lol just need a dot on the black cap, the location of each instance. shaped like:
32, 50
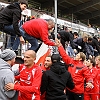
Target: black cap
55, 58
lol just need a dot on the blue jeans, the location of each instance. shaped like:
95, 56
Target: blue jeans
33, 41
8, 29
70, 51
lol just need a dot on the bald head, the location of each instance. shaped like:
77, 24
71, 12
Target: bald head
29, 58
30, 53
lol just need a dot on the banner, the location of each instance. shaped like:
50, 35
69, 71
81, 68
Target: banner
42, 53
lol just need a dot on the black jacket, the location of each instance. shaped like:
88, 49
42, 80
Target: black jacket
84, 46
66, 36
95, 45
11, 15
55, 80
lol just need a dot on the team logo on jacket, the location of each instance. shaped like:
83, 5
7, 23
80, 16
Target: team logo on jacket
77, 69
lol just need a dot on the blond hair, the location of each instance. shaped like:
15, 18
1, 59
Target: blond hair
83, 56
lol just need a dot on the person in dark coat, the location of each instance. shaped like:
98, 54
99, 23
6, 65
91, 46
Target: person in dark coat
10, 17
66, 37
95, 44
82, 45
55, 80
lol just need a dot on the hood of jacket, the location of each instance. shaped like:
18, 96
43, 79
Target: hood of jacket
4, 65
58, 68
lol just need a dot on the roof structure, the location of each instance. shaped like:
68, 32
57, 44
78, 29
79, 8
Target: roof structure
86, 11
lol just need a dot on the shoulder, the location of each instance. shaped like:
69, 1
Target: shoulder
37, 68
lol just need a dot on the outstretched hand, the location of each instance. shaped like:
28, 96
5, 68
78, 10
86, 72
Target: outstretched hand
57, 42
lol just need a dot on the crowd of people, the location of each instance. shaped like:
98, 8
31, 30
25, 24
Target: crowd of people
72, 73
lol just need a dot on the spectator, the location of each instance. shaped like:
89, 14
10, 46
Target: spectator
98, 40
7, 59
92, 93
55, 80
35, 30
10, 17
82, 46
66, 36
29, 79
95, 45
78, 72
75, 34
16, 43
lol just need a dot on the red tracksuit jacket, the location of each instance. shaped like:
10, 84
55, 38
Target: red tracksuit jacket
94, 73
30, 81
78, 71
98, 77
94, 92
38, 28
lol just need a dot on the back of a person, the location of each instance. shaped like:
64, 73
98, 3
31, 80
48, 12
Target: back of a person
58, 80
2, 77
64, 35
5, 74
36, 27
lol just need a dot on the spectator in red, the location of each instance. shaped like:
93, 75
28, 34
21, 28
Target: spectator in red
78, 71
29, 79
37, 29
92, 93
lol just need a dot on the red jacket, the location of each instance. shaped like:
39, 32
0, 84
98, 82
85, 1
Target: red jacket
78, 71
94, 73
30, 81
98, 77
38, 28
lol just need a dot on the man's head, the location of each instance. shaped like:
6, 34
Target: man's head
75, 35
48, 62
29, 58
85, 38
97, 60
90, 40
23, 4
55, 58
80, 56
51, 24
98, 38
90, 63
8, 56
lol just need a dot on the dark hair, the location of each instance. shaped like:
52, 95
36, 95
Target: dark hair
75, 33
55, 58
92, 61
89, 39
23, 2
